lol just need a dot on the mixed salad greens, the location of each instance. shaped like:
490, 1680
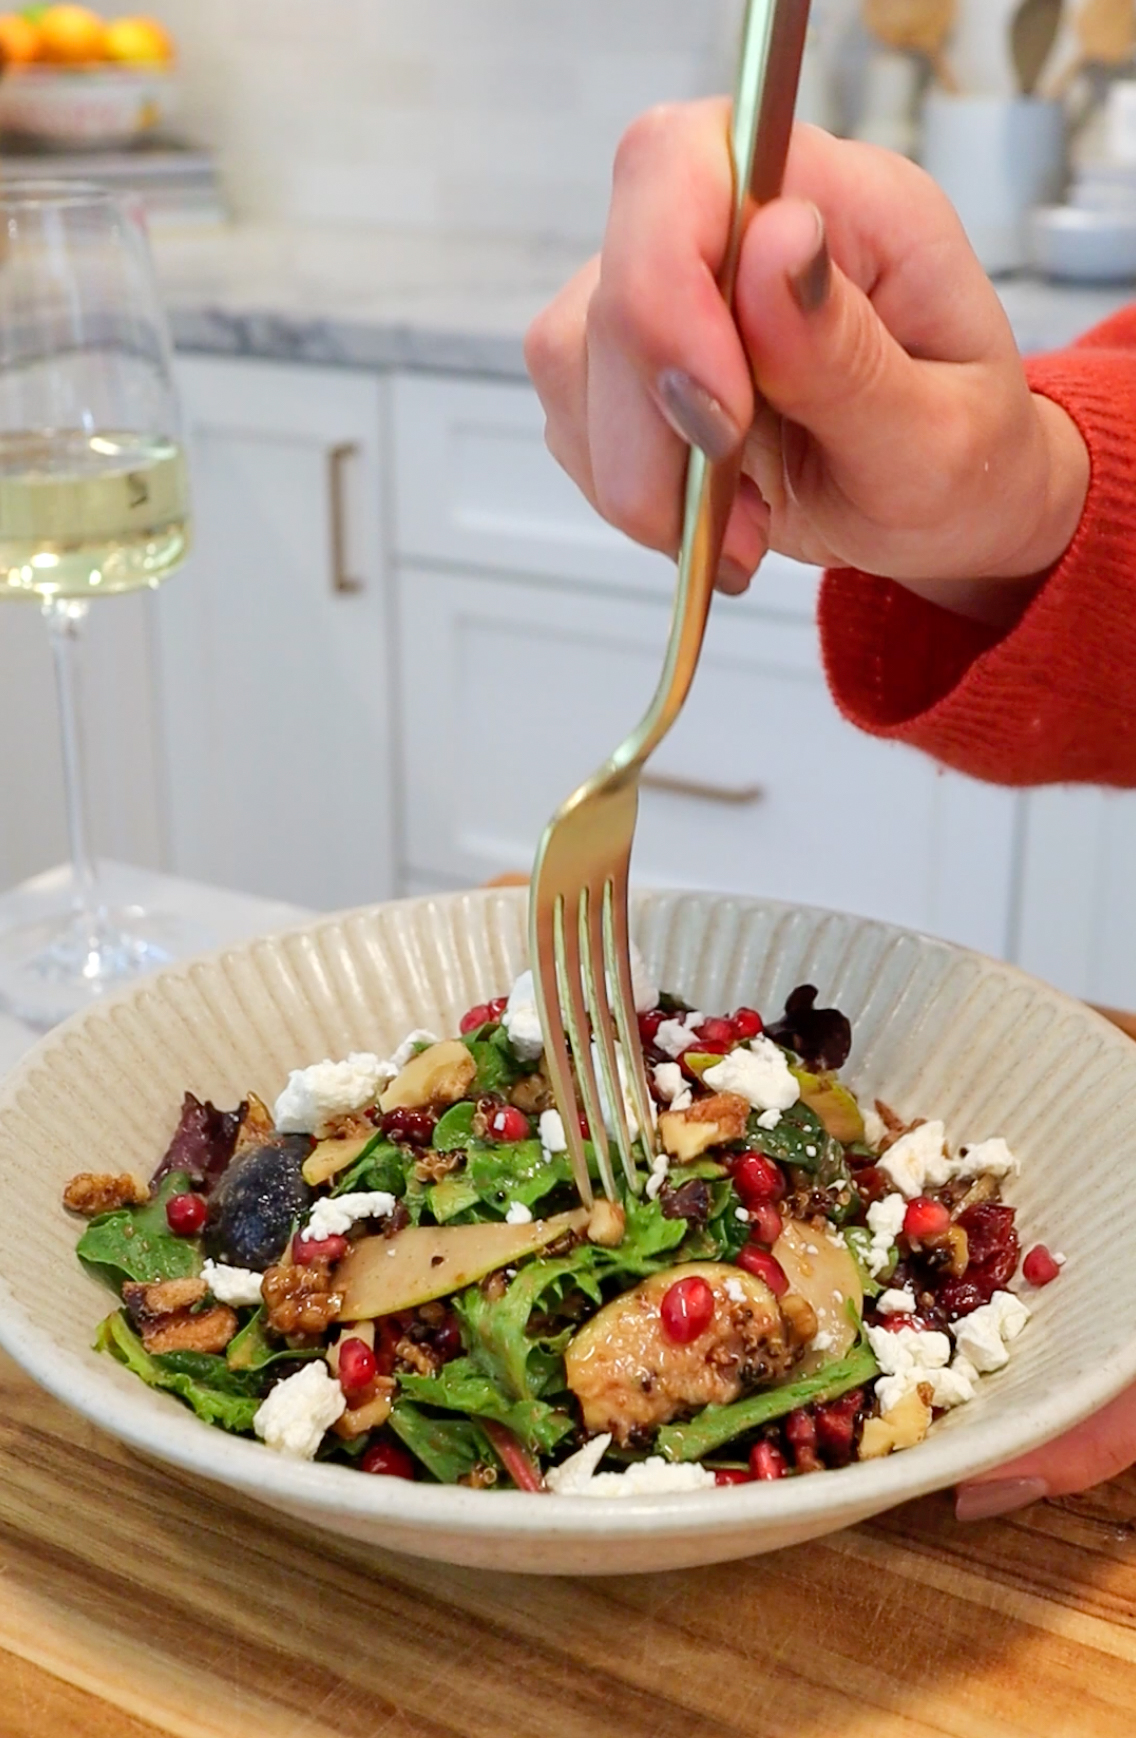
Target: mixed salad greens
391, 1268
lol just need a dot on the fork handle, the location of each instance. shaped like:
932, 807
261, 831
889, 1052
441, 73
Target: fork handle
773, 44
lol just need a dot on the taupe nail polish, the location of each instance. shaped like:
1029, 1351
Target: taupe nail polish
999, 1497
697, 416
811, 286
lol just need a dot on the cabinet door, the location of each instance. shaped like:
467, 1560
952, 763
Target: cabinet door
1077, 924
275, 686
515, 692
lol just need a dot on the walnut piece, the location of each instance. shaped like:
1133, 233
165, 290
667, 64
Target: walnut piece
708, 1122
95, 1192
801, 1317
607, 1224
533, 1094
370, 1413
903, 1427
431, 1167
163, 1297
166, 1316
300, 1300
423, 1360
256, 1126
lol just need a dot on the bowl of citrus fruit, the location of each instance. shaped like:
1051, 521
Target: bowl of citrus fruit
72, 79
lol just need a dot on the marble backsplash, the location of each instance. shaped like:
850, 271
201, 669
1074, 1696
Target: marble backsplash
485, 115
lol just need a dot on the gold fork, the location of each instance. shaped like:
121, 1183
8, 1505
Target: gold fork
578, 918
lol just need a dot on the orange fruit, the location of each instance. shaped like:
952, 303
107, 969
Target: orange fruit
72, 35
19, 40
138, 42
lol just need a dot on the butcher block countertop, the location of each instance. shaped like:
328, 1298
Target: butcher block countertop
136, 1602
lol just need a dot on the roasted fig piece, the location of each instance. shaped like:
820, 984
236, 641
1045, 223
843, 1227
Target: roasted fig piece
253, 1209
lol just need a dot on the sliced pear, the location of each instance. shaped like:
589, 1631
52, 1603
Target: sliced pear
832, 1103
380, 1275
330, 1157
440, 1075
821, 1270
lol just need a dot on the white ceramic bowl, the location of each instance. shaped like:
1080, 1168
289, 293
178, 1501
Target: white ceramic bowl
90, 108
938, 1031
1085, 244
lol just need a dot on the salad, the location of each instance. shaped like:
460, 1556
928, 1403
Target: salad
390, 1269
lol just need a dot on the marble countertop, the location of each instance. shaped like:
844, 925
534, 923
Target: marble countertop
459, 304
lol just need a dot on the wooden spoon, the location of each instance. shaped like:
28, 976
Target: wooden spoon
917, 26
1033, 33
1106, 34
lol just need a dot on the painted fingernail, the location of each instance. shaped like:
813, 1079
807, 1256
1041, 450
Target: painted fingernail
810, 286
696, 415
1000, 1497
732, 577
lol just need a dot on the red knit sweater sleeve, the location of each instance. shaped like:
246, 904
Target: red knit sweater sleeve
1054, 699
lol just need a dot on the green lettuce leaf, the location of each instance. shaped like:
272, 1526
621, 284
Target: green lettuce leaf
461, 1386
496, 1329
253, 1349
215, 1393
449, 1448
516, 1171
381, 1165
716, 1425
137, 1243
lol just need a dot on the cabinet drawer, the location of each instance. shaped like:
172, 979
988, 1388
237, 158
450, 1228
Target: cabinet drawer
514, 693
476, 488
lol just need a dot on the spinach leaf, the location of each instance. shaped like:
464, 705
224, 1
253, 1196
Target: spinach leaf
724, 1234
454, 1130
716, 1425
516, 1171
453, 1196
497, 1067
449, 1448
461, 1386
194, 1377
137, 1243
799, 1139
379, 1166
859, 1241
252, 1349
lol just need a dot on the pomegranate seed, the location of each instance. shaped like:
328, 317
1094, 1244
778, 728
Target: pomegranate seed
388, 1333
186, 1214
747, 1023
764, 1266
715, 1031
476, 1017
926, 1220
687, 1310
389, 1459
331, 1248
765, 1224
509, 1124
766, 1461
1039, 1268
415, 1128
758, 1179
357, 1366
585, 1130
497, 1008
649, 1026
728, 1475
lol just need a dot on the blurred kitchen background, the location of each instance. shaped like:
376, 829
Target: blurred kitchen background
402, 638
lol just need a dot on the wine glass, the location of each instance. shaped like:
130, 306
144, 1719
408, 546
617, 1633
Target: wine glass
93, 503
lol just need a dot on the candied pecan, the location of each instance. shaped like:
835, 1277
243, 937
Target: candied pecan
300, 1300
895, 1125
256, 1124
164, 1297
494, 1286
350, 1127
206, 1331
95, 1192
533, 1094
431, 1167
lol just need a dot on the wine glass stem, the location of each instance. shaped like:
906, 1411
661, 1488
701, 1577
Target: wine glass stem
65, 618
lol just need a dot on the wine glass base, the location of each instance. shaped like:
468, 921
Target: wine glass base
51, 967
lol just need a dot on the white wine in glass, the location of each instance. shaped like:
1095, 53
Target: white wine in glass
94, 502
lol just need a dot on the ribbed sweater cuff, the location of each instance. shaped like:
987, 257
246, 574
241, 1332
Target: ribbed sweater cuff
1054, 699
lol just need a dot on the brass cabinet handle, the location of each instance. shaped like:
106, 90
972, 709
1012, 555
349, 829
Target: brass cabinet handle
733, 796
337, 461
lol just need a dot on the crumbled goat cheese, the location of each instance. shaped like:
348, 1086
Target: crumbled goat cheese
314, 1096
300, 1410
875, 1128
822, 1342
676, 1036
885, 1222
916, 1162
521, 1020
518, 1214
577, 1476
673, 1086
334, 1215
552, 1136
741, 1214
910, 1359
993, 1157
409, 1047
896, 1303
769, 1119
759, 1072
236, 1286
984, 1335
735, 1290
660, 1171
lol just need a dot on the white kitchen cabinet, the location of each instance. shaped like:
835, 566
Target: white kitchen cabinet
1077, 919
513, 691
275, 683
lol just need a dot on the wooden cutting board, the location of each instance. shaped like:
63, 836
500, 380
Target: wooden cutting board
135, 1602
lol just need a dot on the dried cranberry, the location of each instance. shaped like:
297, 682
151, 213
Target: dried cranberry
926, 1220
414, 1128
687, 1309
765, 1224
388, 1333
747, 1023
186, 1214
306, 1254
873, 1184
836, 1427
715, 1031
389, 1459
801, 1435
960, 1297
989, 1229
729, 1475
758, 1179
1039, 1267
764, 1266
357, 1366
509, 1124
766, 1461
